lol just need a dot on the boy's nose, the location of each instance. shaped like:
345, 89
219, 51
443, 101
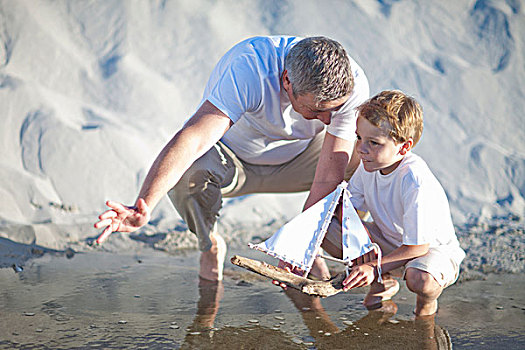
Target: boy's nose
359, 147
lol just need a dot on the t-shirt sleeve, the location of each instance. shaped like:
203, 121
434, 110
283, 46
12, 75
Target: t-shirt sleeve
236, 89
357, 190
418, 218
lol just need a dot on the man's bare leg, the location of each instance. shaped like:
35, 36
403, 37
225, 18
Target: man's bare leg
320, 270
212, 261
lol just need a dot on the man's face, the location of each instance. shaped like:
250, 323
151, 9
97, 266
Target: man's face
309, 109
306, 105
377, 150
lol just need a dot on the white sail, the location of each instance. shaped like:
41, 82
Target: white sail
355, 239
298, 242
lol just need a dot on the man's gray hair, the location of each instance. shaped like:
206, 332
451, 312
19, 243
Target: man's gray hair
319, 66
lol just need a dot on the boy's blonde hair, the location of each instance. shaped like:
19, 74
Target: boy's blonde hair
397, 114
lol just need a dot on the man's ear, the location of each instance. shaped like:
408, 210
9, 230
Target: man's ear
407, 146
287, 84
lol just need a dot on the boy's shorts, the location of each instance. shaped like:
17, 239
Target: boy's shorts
441, 262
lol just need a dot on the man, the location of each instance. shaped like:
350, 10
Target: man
260, 128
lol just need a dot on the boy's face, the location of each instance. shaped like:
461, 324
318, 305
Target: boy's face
377, 150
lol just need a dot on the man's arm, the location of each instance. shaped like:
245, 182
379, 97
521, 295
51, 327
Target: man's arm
330, 171
333, 161
198, 135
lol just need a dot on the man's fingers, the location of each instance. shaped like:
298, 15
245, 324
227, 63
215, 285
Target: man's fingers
279, 284
119, 208
103, 223
105, 234
108, 214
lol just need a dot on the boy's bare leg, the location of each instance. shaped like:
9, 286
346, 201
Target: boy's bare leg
380, 292
427, 289
212, 261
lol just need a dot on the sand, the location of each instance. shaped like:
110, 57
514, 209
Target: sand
149, 299
141, 290
91, 91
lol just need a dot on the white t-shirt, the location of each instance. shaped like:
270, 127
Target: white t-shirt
408, 205
246, 86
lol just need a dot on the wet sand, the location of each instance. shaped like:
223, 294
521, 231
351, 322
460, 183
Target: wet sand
152, 300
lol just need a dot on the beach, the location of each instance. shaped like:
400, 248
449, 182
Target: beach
139, 291
151, 299
91, 91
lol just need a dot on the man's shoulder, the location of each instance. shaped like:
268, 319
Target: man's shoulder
274, 42
259, 56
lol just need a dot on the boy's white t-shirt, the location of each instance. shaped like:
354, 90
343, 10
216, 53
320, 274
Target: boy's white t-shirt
408, 205
246, 86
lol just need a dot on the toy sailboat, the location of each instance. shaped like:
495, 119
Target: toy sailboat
298, 242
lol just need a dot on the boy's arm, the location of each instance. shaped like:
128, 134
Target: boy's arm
363, 275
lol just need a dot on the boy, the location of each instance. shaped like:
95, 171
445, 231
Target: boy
412, 222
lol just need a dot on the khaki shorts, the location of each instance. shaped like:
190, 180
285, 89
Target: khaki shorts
441, 262
220, 173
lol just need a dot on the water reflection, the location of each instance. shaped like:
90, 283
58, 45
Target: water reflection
106, 301
377, 330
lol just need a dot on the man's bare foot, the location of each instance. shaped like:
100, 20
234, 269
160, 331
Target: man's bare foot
212, 261
425, 309
381, 292
320, 270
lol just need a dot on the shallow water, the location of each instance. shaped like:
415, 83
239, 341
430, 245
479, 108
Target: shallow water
151, 300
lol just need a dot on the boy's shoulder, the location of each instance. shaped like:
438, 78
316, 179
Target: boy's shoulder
415, 168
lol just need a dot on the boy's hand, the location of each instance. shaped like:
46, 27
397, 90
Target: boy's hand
359, 276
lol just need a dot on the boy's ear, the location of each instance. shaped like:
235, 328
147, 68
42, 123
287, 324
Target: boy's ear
407, 146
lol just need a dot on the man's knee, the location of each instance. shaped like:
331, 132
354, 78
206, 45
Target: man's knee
198, 184
420, 282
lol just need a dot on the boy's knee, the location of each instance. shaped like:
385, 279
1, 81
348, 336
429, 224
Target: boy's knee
420, 282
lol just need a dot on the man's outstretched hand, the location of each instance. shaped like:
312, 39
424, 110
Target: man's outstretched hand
122, 218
